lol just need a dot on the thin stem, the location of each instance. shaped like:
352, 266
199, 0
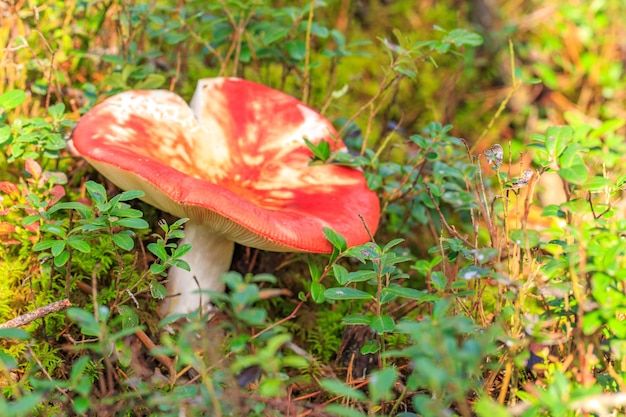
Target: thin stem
449, 228
516, 84
369, 103
307, 56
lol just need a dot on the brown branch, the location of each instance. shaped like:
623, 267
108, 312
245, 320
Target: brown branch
41, 312
149, 344
449, 228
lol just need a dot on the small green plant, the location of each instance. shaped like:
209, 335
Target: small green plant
35, 137
93, 223
168, 254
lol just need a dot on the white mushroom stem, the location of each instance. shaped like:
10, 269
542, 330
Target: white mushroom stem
209, 258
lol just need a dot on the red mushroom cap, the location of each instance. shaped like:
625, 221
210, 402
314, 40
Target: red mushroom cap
239, 164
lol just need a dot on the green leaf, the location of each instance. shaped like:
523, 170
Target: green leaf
461, 285
181, 250
367, 251
270, 387
78, 369
321, 151
605, 292
407, 72
461, 37
157, 290
174, 38
392, 243
361, 276
317, 29
131, 195
598, 184
422, 266
382, 324
96, 191
575, 174
81, 405
315, 270
275, 33
381, 384
85, 320
557, 139
26, 405
374, 181
525, 239
5, 134
294, 361
132, 222
370, 347
57, 247
14, 333
254, 316
179, 263
439, 281
158, 250
571, 155
151, 82
317, 292
12, 99
553, 210
126, 212
79, 244
397, 291
54, 229
610, 126
343, 411
83, 209
43, 245
296, 49
346, 294
128, 317
335, 239
157, 269
8, 363
123, 241
338, 37
341, 274
484, 255
56, 111
342, 390
473, 271
115, 80
486, 407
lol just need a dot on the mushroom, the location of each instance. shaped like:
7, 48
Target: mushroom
236, 164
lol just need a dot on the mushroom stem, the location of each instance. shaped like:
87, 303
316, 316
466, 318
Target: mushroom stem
209, 258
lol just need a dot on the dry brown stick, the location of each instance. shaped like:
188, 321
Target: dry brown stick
149, 344
450, 229
37, 314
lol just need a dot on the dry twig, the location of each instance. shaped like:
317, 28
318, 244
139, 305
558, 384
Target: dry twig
24, 319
